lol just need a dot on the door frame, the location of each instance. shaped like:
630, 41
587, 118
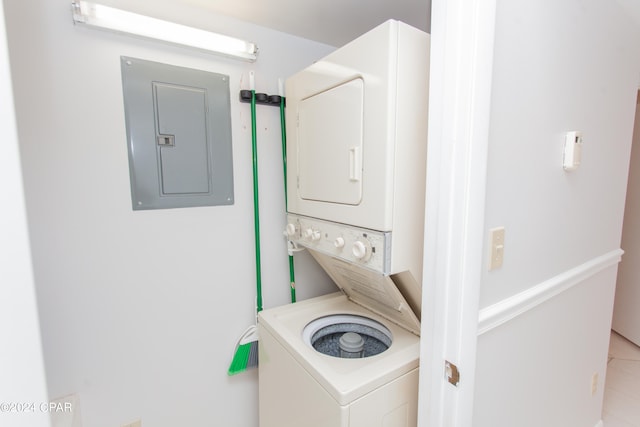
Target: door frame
462, 43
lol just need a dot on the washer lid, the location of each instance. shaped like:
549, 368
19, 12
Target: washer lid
372, 290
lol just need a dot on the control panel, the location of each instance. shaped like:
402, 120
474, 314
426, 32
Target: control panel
368, 248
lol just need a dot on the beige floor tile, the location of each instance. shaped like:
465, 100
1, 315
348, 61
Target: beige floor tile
611, 420
622, 394
621, 348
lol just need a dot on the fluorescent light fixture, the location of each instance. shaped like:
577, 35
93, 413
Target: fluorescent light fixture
109, 18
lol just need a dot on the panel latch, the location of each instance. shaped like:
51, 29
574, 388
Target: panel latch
167, 140
452, 373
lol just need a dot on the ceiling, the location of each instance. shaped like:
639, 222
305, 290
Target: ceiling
332, 22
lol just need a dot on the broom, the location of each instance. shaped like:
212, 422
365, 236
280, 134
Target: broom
246, 353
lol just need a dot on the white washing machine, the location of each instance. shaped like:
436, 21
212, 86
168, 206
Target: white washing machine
356, 153
299, 386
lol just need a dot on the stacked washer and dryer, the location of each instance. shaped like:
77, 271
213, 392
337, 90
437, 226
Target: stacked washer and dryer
357, 143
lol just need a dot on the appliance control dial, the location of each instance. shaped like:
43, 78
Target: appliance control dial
291, 230
361, 250
311, 234
339, 242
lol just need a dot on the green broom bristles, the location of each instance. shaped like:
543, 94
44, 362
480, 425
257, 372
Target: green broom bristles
246, 355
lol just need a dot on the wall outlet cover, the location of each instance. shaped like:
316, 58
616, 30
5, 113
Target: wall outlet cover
65, 411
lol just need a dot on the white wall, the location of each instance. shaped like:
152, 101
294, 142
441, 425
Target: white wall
537, 369
140, 311
22, 377
558, 66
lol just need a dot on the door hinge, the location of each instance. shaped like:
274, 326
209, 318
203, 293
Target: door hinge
452, 373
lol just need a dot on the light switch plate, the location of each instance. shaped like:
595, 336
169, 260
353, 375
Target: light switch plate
496, 243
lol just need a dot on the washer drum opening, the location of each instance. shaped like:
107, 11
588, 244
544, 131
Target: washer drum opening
324, 334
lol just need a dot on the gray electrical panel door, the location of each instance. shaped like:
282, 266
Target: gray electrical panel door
179, 135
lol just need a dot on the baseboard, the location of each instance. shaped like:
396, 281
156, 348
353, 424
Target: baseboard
509, 308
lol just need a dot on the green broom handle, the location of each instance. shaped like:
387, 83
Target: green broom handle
256, 209
284, 148
292, 276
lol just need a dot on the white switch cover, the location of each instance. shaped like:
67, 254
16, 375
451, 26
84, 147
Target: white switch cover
496, 242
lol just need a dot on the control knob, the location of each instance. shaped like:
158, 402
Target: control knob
361, 250
290, 230
311, 234
339, 242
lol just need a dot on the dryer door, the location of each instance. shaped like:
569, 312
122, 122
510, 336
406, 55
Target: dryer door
330, 149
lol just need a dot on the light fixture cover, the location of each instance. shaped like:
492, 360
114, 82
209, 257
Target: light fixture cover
109, 18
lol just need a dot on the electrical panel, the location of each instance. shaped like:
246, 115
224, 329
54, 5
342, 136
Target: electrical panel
179, 135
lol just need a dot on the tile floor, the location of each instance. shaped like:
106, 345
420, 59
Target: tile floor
622, 388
